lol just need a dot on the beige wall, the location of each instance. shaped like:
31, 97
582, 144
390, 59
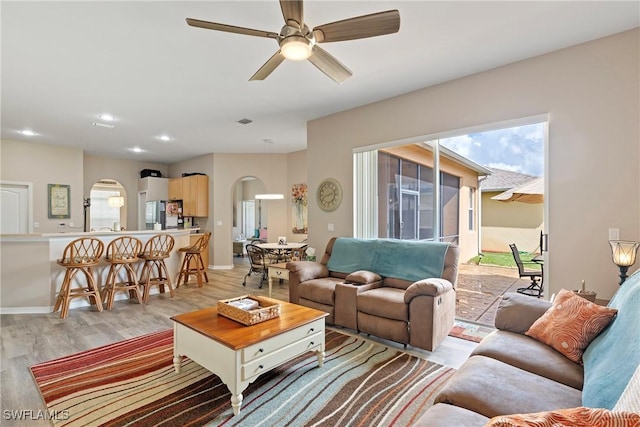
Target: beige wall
510, 222
42, 164
590, 92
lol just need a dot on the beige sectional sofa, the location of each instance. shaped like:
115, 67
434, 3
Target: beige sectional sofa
512, 373
380, 291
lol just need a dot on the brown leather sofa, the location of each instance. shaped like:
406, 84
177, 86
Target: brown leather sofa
420, 313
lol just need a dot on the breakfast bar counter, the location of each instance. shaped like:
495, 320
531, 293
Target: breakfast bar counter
30, 276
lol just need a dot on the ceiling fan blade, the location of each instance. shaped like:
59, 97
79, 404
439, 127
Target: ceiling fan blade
329, 65
376, 24
268, 67
292, 11
230, 28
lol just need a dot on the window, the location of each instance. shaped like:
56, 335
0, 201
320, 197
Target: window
405, 195
472, 204
102, 215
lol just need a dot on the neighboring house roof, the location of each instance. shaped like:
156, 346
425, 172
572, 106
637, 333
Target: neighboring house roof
502, 180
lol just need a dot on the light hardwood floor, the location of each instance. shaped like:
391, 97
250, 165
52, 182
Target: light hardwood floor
28, 339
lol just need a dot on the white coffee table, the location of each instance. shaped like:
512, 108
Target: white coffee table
238, 354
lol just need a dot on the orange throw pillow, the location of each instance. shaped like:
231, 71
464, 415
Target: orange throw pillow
570, 324
571, 417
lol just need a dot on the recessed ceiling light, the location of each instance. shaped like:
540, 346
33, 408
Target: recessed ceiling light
107, 117
136, 150
103, 125
245, 121
164, 138
27, 132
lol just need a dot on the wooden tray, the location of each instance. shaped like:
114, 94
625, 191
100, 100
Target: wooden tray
269, 309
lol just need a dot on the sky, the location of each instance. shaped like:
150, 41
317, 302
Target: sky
518, 149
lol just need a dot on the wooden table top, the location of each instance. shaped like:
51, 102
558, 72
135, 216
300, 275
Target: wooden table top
236, 335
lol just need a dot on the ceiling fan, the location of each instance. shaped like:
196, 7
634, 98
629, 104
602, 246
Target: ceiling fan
298, 43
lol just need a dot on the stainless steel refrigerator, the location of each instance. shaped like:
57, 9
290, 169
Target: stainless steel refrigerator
166, 214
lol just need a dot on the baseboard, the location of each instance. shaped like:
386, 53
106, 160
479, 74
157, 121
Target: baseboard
221, 267
26, 310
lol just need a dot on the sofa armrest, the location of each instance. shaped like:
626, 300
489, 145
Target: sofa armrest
430, 287
307, 270
517, 312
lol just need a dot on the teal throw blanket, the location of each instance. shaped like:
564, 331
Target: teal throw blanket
613, 356
403, 259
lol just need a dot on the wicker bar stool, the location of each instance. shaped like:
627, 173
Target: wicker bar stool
122, 253
155, 251
192, 264
79, 256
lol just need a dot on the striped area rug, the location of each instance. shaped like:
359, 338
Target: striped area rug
133, 382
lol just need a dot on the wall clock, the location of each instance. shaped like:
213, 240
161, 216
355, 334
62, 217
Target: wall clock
329, 195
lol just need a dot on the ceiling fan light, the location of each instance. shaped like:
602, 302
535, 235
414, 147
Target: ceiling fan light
296, 48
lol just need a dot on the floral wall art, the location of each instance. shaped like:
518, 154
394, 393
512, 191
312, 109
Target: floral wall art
299, 208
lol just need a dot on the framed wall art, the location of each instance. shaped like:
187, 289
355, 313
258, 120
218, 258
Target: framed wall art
59, 201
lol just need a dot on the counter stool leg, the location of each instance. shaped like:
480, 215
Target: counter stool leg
109, 291
145, 275
184, 270
133, 284
63, 295
163, 276
204, 268
92, 289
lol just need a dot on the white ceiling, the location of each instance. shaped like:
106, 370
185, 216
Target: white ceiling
64, 63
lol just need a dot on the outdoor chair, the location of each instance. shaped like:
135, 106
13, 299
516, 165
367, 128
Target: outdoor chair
535, 288
257, 263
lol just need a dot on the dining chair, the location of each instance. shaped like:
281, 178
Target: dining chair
535, 288
257, 263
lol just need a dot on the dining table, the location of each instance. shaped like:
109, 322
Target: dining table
280, 252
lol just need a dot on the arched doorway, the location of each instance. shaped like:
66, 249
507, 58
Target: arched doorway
107, 206
248, 216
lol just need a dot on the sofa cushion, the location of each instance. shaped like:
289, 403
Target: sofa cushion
362, 277
533, 356
611, 359
319, 290
491, 388
443, 415
570, 417
571, 324
384, 302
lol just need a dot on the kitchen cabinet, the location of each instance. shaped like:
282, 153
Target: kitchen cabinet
175, 189
195, 195
156, 188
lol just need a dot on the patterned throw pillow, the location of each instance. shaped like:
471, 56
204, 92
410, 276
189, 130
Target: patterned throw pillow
571, 417
570, 324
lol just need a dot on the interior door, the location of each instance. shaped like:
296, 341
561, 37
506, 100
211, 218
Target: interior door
15, 208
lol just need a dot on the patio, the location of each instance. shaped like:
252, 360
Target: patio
480, 289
